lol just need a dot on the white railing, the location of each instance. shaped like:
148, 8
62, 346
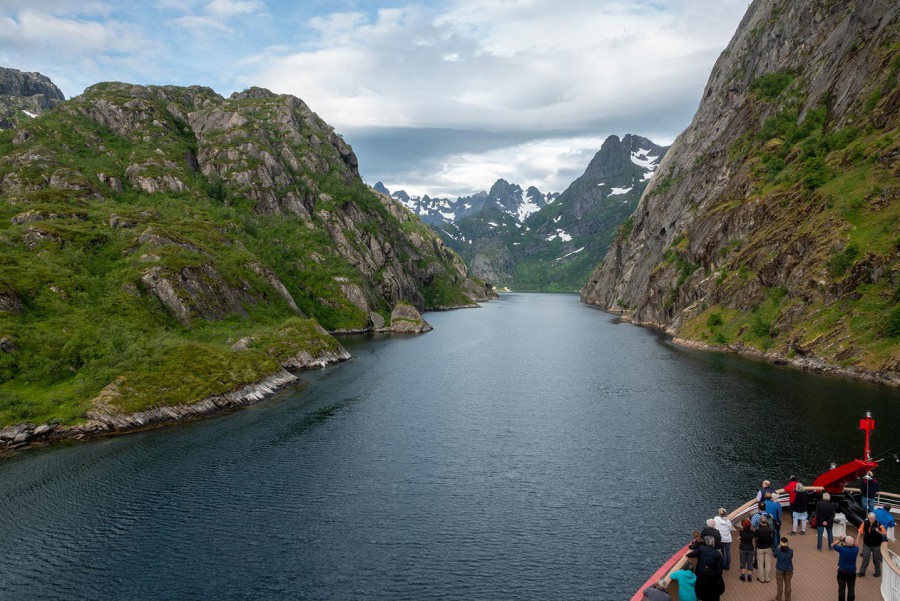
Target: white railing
890, 577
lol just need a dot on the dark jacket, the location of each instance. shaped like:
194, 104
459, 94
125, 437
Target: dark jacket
713, 532
869, 488
746, 537
765, 536
872, 536
709, 562
801, 502
824, 513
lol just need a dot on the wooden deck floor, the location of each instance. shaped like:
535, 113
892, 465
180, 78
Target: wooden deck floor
815, 574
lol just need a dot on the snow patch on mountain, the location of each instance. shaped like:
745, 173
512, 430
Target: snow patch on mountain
561, 234
642, 158
617, 191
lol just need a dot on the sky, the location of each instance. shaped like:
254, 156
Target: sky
436, 97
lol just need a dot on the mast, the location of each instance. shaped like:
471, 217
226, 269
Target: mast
867, 425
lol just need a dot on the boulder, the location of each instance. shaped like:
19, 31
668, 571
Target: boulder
242, 344
376, 320
406, 319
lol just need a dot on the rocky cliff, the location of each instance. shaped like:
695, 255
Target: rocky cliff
771, 226
25, 96
176, 245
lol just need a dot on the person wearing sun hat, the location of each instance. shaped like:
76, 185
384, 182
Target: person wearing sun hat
784, 570
846, 574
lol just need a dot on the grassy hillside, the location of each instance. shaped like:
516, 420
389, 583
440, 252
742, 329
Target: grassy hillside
145, 230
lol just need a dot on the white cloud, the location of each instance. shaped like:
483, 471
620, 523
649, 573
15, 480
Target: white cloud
226, 9
200, 24
535, 63
549, 165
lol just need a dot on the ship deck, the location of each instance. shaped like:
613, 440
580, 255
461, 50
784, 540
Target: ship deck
815, 572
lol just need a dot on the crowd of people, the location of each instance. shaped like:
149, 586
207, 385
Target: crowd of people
765, 553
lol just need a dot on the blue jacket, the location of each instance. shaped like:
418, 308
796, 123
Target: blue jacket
847, 559
784, 559
686, 580
773, 508
885, 518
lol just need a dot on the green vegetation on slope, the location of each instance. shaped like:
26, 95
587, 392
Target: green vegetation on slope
87, 253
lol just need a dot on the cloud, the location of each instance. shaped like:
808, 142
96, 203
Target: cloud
534, 68
226, 9
495, 64
200, 24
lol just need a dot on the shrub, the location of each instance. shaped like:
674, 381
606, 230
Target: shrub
841, 262
893, 325
714, 320
771, 85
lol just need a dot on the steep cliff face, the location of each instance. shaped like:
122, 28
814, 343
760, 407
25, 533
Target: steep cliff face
25, 96
771, 225
145, 229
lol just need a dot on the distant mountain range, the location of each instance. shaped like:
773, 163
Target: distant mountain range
529, 240
503, 196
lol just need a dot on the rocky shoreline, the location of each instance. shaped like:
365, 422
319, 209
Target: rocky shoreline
102, 420
807, 362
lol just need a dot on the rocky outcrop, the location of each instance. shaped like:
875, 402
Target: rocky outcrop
25, 96
739, 239
196, 292
405, 319
10, 302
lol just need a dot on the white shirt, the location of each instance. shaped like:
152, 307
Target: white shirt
723, 525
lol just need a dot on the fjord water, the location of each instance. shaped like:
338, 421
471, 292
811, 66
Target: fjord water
534, 448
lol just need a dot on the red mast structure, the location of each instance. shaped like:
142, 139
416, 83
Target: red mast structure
834, 480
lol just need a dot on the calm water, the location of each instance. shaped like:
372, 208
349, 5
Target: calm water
531, 449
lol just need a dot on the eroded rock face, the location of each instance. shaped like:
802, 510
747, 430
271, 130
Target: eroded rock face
196, 292
706, 215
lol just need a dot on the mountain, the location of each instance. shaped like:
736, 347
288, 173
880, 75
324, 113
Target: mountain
771, 226
25, 96
162, 245
529, 240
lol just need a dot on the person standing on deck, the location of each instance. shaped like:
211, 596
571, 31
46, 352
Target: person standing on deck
784, 570
773, 508
746, 551
764, 537
869, 486
872, 534
712, 531
846, 574
825, 513
799, 510
791, 488
724, 526
710, 584
687, 582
